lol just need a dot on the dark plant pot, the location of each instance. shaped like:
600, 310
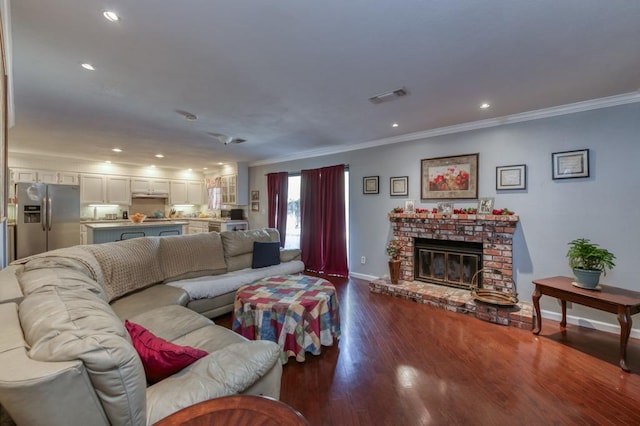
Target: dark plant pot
587, 278
394, 271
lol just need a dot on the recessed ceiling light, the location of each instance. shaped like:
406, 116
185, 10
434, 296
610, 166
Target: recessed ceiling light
220, 164
485, 105
153, 166
394, 125
116, 150
108, 162
87, 66
189, 170
205, 168
159, 156
110, 16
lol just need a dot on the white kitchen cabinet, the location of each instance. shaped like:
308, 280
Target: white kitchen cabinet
47, 177
228, 191
186, 192
178, 193
23, 175
92, 189
83, 234
101, 189
235, 188
66, 178
44, 176
118, 190
150, 186
194, 193
198, 226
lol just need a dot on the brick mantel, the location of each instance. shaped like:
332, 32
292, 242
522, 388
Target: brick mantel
495, 232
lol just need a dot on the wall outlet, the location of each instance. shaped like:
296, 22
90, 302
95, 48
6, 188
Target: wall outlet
363, 260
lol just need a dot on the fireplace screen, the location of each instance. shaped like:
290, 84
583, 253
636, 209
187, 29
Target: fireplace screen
446, 263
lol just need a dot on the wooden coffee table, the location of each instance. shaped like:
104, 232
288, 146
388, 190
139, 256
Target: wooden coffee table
299, 312
616, 300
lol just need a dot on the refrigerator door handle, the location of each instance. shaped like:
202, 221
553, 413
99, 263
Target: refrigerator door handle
49, 212
43, 214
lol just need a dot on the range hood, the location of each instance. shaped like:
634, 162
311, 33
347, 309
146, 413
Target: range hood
146, 195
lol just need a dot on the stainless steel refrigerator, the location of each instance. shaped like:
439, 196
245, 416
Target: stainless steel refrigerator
47, 217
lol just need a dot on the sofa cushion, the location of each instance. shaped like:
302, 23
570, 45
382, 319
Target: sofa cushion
128, 265
149, 298
287, 255
160, 358
241, 242
265, 254
191, 256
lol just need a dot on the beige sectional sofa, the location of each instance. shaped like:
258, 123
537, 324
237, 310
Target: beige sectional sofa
67, 359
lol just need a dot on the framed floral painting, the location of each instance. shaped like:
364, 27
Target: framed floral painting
449, 178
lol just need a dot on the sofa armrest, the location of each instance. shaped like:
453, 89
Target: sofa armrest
224, 372
42, 393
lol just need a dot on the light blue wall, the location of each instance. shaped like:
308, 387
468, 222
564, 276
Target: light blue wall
604, 207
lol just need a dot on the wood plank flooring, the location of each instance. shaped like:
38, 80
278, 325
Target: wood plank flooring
402, 363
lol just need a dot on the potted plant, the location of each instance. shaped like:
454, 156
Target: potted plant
588, 262
394, 250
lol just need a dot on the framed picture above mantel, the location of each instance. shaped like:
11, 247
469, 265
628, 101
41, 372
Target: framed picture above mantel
449, 178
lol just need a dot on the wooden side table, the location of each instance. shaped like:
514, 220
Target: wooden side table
616, 300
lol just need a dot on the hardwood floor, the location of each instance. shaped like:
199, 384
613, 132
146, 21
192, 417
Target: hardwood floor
402, 363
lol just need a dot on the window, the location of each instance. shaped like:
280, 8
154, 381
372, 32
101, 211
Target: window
293, 210
293, 213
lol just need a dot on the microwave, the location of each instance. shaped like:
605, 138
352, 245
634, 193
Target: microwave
232, 214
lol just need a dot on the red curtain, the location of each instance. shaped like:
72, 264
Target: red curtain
277, 193
323, 237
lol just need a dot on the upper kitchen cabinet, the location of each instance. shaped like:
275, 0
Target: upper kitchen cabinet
43, 176
100, 189
118, 190
186, 192
228, 190
235, 188
146, 186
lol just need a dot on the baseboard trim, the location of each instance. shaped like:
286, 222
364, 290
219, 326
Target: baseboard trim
589, 323
363, 276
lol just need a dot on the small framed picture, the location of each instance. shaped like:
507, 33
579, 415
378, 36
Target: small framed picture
255, 195
445, 208
255, 206
570, 164
399, 185
511, 177
370, 184
485, 205
409, 206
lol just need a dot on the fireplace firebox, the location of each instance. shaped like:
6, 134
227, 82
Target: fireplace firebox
444, 262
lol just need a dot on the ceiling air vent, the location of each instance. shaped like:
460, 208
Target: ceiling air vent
388, 96
226, 139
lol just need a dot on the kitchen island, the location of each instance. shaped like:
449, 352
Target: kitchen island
98, 233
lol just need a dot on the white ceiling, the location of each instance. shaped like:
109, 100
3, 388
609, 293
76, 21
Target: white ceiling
292, 76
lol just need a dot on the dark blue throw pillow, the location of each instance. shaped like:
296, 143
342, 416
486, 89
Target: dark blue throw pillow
265, 254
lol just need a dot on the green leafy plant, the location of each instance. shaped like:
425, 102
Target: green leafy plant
583, 254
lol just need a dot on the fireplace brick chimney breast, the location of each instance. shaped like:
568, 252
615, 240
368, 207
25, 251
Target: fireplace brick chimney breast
495, 232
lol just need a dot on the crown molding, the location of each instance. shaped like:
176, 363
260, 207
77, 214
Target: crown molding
610, 101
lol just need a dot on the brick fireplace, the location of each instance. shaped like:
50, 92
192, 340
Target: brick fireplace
495, 233
492, 232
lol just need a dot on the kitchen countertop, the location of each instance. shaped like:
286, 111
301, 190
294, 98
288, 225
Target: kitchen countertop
129, 224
